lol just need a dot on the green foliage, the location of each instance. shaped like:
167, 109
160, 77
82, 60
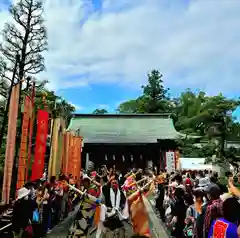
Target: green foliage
193, 114
190, 147
100, 111
54, 104
153, 100
132, 106
25, 36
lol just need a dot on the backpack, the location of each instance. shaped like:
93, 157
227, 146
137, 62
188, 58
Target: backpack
188, 229
36, 216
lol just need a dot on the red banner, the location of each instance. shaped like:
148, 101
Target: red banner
40, 149
22, 164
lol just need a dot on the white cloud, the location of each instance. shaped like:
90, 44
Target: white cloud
103, 106
73, 84
77, 107
194, 45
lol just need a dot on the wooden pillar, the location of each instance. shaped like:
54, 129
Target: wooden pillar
132, 158
87, 161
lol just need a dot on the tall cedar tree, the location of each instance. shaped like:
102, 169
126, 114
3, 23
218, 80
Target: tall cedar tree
3, 83
153, 100
25, 36
154, 93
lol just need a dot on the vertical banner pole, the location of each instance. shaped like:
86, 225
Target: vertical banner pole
11, 143
87, 162
23, 155
31, 123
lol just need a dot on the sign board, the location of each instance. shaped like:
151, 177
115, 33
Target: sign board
170, 162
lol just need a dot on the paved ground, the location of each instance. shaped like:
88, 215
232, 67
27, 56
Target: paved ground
61, 231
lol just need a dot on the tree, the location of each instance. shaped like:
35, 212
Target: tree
55, 104
154, 93
193, 114
214, 114
3, 83
100, 111
191, 148
210, 117
153, 100
187, 106
24, 40
234, 130
25, 36
131, 106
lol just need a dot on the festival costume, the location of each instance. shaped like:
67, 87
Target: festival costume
114, 199
130, 185
222, 228
84, 219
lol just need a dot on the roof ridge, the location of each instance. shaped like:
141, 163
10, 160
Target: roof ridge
163, 115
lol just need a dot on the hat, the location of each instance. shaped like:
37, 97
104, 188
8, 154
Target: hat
22, 192
203, 182
212, 188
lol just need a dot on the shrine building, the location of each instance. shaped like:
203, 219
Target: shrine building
125, 140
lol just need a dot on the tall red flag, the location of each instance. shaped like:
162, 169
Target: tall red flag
40, 149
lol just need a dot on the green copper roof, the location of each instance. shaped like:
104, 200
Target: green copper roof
123, 128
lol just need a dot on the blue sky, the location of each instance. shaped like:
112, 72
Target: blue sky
101, 50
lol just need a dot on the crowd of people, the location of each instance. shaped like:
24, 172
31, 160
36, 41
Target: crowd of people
39, 206
190, 204
196, 204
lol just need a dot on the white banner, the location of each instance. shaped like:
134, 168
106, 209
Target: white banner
170, 162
